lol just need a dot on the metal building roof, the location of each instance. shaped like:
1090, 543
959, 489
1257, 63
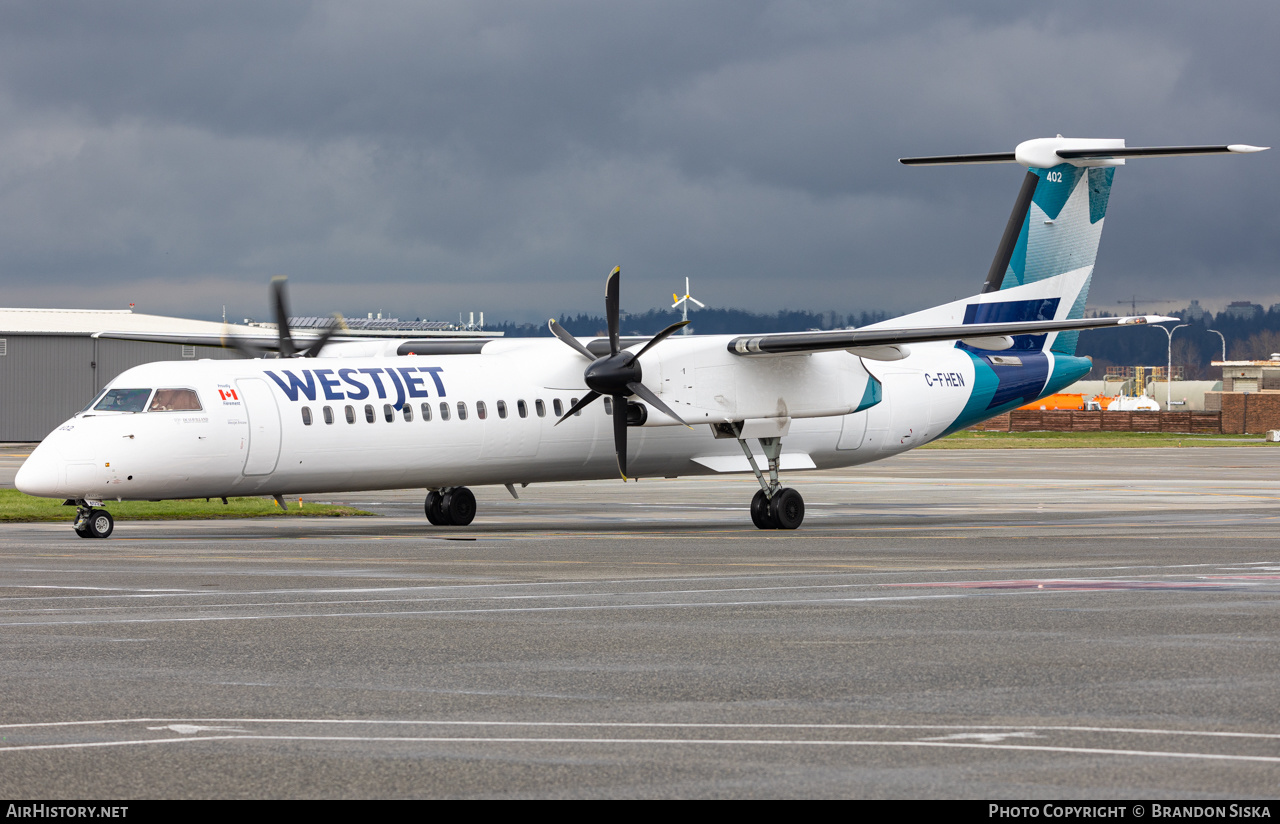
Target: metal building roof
91, 321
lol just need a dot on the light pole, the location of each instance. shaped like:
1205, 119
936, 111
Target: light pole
1224, 342
1168, 371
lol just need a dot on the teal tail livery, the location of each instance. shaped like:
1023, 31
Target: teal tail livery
1044, 264
337, 413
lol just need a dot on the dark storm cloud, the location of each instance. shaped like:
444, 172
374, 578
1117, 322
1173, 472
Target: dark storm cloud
427, 158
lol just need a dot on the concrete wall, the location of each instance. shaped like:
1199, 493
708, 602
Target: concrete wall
45, 379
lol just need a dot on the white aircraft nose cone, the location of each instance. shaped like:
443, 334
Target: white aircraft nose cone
40, 475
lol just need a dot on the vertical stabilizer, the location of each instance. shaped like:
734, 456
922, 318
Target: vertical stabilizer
1058, 234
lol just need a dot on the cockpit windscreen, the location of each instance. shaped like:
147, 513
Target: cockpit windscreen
123, 400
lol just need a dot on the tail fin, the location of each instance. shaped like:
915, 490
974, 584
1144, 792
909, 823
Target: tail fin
1054, 230
1056, 224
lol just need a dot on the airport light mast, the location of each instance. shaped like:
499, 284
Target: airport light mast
1168, 370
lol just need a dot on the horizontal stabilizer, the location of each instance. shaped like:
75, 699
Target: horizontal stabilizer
1048, 152
1157, 151
796, 343
952, 160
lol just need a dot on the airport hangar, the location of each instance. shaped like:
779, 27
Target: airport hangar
54, 361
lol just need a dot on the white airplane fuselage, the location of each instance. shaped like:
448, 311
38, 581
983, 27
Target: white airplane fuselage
250, 436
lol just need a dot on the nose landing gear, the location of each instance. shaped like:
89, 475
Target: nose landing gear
452, 506
91, 522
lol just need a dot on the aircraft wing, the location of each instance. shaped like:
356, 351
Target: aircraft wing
267, 340
996, 336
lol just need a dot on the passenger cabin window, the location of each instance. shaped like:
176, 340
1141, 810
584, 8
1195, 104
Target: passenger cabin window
328, 414
407, 411
482, 411
540, 407
123, 400
462, 410
572, 403
306, 416
369, 414
388, 412
557, 407
444, 410
175, 400
426, 411
351, 414
522, 409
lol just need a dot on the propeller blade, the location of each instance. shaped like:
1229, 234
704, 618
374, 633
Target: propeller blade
314, 349
620, 432
287, 347
591, 395
658, 338
612, 287
643, 391
563, 334
246, 349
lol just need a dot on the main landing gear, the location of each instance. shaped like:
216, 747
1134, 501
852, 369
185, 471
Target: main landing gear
452, 506
91, 522
774, 506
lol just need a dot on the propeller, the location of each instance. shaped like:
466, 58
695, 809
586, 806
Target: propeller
618, 374
287, 346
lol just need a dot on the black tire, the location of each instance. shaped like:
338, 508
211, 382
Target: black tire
100, 523
82, 531
760, 515
459, 506
435, 515
787, 508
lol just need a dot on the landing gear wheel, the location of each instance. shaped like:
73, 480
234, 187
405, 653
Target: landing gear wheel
82, 530
435, 516
760, 515
459, 506
100, 523
786, 508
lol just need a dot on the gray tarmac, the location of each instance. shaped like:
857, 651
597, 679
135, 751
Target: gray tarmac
963, 624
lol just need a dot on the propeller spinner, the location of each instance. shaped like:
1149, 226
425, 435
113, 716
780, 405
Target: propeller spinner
618, 374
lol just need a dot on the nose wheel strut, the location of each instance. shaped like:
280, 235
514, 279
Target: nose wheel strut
92, 522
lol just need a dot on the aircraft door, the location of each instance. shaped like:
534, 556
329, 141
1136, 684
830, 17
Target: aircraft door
264, 426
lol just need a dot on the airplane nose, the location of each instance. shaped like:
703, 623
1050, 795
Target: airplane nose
40, 475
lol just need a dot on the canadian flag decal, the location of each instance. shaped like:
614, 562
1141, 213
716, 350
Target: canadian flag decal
228, 394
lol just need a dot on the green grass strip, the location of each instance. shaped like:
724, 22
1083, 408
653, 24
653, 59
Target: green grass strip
17, 507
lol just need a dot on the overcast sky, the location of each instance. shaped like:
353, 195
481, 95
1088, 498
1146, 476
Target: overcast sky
426, 158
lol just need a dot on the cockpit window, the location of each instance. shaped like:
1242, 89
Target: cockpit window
123, 400
175, 400
91, 403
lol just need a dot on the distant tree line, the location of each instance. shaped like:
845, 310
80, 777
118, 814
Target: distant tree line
703, 322
1247, 338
